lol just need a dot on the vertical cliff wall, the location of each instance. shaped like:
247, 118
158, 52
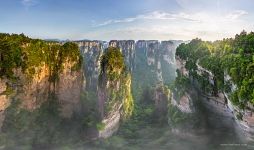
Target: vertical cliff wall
91, 52
211, 71
42, 71
159, 57
5, 100
33, 92
154, 65
114, 94
103, 78
68, 90
127, 47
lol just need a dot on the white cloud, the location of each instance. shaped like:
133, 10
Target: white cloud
163, 26
236, 14
28, 3
182, 17
156, 15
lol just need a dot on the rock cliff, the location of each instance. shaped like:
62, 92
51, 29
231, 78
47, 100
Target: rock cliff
159, 57
114, 94
203, 72
88, 80
32, 83
127, 47
91, 52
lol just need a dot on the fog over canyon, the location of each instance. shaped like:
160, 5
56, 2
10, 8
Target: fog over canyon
126, 94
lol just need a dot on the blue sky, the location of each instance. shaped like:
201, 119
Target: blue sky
127, 19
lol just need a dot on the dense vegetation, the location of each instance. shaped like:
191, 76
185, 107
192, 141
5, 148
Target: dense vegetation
19, 51
233, 57
112, 63
43, 126
180, 85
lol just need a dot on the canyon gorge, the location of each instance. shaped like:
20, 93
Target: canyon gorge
124, 94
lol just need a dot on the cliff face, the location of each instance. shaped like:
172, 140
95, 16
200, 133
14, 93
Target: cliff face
168, 49
154, 48
114, 92
127, 47
162, 99
114, 98
221, 102
159, 57
150, 49
91, 52
68, 90
180, 95
167, 57
104, 80
205, 82
32, 92
4, 100
40, 72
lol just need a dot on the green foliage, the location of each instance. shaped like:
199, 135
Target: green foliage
90, 116
128, 104
100, 126
239, 116
112, 63
175, 116
233, 56
193, 51
10, 57
148, 111
19, 51
142, 116
8, 91
89, 121
180, 85
113, 70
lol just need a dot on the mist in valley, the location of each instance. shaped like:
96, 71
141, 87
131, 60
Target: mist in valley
127, 75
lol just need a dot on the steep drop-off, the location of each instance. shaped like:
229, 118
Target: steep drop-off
222, 72
91, 52
37, 77
114, 95
48, 88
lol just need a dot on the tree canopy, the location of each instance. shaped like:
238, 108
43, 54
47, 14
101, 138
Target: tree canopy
234, 57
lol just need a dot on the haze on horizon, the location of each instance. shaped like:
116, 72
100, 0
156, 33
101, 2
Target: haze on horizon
132, 19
